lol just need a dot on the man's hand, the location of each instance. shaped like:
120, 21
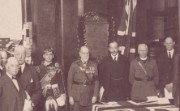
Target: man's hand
94, 99
71, 101
169, 87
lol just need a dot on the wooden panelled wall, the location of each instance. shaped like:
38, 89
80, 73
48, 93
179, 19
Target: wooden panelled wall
55, 24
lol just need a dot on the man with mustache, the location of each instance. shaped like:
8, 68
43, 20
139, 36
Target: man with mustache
83, 84
113, 75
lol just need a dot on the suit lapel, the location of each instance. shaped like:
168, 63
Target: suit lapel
11, 85
26, 75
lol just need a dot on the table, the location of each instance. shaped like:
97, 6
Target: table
132, 106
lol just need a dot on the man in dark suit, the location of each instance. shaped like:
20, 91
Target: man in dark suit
28, 76
113, 75
165, 67
12, 95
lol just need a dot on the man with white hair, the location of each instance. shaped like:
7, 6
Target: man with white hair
12, 95
83, 84
28, 58
144, 75
28, 76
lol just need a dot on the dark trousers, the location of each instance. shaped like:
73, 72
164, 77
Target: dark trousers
78, 107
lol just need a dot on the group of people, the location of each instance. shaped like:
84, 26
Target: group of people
25, 87
116, 78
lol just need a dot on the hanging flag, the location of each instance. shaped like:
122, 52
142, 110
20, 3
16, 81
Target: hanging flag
127, 28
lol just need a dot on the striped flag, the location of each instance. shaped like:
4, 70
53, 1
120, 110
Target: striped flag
127, 28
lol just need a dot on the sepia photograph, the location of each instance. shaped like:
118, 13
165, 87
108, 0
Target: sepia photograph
89, 55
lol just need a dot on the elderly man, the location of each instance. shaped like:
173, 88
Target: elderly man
27, 76
28, 58
144, 75
165, 65
83, 84
12, 95
113, 75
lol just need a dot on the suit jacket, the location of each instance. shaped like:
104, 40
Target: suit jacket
82, 93
117, 70
165, 67
30, 82
10, 98
176, 81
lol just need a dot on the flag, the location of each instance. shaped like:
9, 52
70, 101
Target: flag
127, 28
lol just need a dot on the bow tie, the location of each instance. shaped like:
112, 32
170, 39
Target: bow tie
14, 77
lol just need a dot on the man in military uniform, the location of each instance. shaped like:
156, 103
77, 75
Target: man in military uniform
83, 84
144, 75
52, 83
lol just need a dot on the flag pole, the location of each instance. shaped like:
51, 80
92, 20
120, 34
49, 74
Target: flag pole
179, 44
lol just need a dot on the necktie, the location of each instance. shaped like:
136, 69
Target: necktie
169, 55
14, 80
19, 73
115, 59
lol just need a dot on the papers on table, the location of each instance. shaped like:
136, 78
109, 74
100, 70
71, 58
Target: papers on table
168, 94
111, 103
163, 101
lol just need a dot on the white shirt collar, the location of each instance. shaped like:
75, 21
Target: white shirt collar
171, 51
10, 76
116, 56
143, 58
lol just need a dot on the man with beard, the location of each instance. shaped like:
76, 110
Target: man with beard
113, 75
83, 84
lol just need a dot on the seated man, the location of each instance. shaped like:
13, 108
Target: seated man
144, 75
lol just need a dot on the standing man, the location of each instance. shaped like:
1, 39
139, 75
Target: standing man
4, 56
28, 76
28, 58
83, 84
144, 75
165, 65
12, 95
113, 75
